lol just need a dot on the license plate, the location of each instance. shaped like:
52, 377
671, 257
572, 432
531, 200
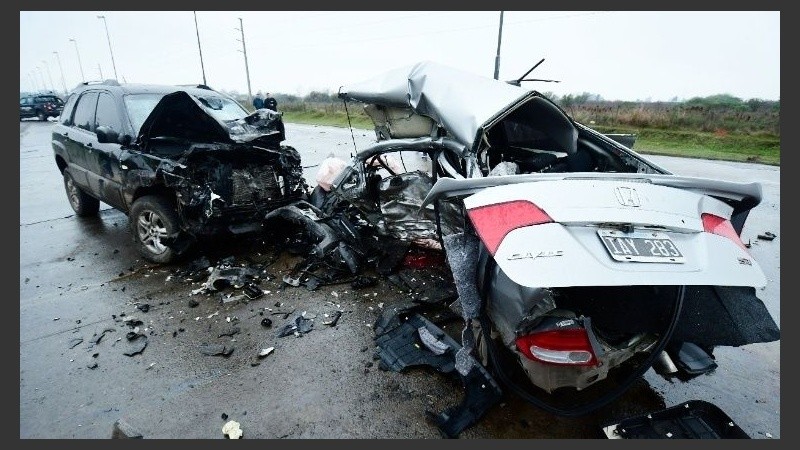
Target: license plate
641, 246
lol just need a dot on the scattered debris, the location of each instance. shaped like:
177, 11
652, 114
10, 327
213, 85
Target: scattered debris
333, 319
232, 430
55, 318
252, 291
230, 332
265, 352
136, 345
75, 342
266, 322
300, 326
193, 303
215, 349
407, 340
123, 430
767, 236
97, 337
224, 416
144, 307
92, 366
362, 282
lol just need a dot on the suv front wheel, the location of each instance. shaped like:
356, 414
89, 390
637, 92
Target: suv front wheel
152, 219
82, 203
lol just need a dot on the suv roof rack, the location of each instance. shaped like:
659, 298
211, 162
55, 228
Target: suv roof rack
107, 82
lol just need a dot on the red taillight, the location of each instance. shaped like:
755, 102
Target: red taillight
569, 346
721, 227
494, 222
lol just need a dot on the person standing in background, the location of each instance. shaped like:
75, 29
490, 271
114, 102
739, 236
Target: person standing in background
258, 102
270, 102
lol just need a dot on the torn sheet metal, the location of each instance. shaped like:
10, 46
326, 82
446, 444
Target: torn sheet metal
427, 88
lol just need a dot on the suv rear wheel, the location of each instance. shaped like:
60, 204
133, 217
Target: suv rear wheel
82, 203
153, 218
42, 116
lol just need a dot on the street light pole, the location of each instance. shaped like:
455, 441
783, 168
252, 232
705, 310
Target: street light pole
101, 71
83, 77
113, 64
60, 68
52, 85
197, 30
497, 58
246, 67
41, 75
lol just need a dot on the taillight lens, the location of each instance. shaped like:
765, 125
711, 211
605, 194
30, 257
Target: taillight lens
569, 347
494, 222
721, 227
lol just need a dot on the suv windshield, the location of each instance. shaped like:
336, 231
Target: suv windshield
48, 98
141, 105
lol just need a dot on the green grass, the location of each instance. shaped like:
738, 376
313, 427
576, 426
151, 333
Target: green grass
761, 148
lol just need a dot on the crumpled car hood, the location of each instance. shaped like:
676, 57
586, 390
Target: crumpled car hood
463, 103
180, 115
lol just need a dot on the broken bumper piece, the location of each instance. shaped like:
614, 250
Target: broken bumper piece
406, 340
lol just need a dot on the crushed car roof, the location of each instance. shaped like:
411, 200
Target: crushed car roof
463, 103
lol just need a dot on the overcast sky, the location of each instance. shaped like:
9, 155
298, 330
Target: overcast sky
620, 55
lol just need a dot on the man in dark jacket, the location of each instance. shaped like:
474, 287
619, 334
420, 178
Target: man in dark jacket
270, 102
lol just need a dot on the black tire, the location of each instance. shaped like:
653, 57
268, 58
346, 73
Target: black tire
42, 116
82, 203
153, 218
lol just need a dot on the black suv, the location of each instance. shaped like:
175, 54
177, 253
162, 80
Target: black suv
40, 106
182, 162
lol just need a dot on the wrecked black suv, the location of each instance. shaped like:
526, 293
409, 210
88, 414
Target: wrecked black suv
182, 162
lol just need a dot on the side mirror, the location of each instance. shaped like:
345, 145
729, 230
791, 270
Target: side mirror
106, 135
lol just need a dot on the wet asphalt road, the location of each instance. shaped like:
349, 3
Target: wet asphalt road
77, 274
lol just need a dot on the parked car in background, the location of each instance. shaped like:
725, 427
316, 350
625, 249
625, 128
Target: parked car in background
40, 106
182, 162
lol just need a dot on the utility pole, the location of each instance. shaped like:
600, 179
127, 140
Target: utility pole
52, 85
60, 68
497, 58
197, 30
83, 77
246, 68
101, 71
113, 64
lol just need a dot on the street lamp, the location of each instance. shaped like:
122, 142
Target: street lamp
497, 58
41, 75
113, 64
63, 83
83, 77
52, 85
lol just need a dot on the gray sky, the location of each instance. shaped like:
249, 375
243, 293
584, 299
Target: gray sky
621, 55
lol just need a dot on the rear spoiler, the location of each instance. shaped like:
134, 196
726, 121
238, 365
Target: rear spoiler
449, 187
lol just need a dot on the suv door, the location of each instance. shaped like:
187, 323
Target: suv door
80, 142
104, 161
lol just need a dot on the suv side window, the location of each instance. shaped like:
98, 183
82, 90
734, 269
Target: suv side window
84, 111
107, 114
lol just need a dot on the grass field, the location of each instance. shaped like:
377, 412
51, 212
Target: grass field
761, 148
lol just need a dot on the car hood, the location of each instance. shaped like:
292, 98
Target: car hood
464, 104
182, 116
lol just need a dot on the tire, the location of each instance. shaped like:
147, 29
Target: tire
42, 116
153, 218
82, 203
